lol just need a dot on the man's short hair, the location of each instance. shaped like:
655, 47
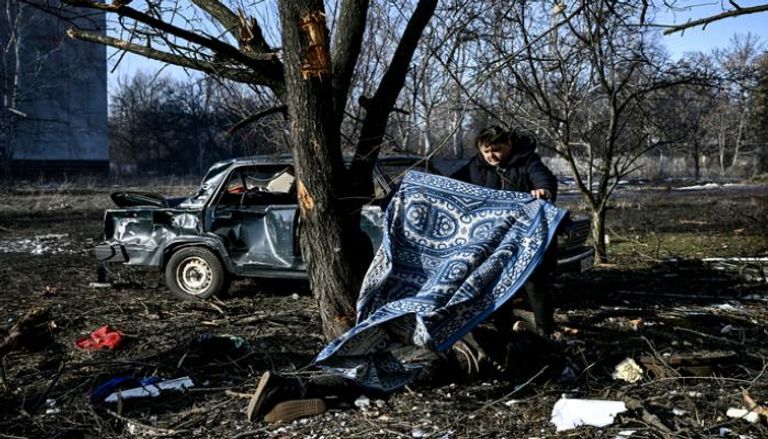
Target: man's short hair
491, 136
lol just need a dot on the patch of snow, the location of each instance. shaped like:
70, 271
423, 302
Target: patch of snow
698, 187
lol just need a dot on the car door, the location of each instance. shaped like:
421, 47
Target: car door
256, 216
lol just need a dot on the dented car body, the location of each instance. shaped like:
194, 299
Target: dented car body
243, 221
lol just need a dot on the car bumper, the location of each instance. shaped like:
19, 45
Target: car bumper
110, 252
580, 261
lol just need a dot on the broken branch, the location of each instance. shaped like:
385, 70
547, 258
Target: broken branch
239, 75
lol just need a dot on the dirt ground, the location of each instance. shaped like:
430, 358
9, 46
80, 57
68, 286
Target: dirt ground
697, 329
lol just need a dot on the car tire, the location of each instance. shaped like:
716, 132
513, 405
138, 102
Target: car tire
196, 273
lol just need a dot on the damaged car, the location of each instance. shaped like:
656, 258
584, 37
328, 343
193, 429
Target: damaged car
243, 222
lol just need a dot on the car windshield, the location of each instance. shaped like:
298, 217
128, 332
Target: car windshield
209, 184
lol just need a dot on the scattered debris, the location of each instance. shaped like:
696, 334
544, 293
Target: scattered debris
48, 244
99, 285
571, 413
104, 337
628, 371
747, 415
702, 363
151, 390
363, 403
753, 405
110, 386
752, 269
209, 347
31, 329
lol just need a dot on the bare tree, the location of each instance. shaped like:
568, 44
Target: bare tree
759, 113
683, 111
170, 126
738, 64
582, 78
311, 73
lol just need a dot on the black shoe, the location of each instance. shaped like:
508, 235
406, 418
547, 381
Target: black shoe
272, 390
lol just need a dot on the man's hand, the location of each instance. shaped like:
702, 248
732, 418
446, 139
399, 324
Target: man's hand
541, 193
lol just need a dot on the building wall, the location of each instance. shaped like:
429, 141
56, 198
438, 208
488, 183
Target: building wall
65, 131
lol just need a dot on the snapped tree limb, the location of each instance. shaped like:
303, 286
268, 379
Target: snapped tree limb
270, 71
236, 74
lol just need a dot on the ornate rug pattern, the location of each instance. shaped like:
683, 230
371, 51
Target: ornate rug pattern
451, 254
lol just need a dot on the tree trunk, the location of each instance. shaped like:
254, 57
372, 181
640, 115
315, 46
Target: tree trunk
696, 161
598, 234
737, 147
315, 141
721, 146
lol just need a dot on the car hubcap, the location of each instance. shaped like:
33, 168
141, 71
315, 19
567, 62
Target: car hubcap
194, 275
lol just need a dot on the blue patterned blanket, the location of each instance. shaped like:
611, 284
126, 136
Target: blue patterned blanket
451, 254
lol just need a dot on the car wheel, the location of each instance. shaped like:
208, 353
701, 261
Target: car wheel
195, 273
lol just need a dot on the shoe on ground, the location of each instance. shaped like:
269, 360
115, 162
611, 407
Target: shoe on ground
272, 390
288, 411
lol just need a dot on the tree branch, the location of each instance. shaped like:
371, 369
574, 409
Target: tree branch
706, 20
374, 126
240, 75
346, 49
271, 72
254, 117
221, 13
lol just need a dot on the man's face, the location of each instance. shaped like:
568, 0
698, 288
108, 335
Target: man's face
496, 153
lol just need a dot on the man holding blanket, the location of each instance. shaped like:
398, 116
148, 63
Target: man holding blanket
452, 255
507, 160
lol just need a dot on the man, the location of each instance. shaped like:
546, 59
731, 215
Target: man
507, 160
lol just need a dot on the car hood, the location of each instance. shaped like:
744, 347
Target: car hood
134, 199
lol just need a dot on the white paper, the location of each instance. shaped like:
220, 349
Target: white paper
571, 413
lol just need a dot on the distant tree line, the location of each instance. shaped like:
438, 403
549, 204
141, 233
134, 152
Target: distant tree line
166, 126
708, 109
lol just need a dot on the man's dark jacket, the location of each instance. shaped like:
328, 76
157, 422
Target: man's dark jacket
523, 171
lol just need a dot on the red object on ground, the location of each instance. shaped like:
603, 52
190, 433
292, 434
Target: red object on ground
104, 337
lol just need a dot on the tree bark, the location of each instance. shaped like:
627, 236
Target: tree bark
598, 234
315, 142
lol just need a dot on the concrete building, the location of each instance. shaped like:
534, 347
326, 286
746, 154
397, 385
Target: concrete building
61, 97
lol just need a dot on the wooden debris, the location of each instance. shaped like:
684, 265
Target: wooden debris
753, 405
696, 364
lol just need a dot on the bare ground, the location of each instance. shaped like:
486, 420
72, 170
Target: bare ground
701, 330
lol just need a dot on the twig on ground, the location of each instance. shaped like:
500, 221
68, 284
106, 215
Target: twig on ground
250, 433
47, 392
151, 429
709, 336
659, 357
508, 395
